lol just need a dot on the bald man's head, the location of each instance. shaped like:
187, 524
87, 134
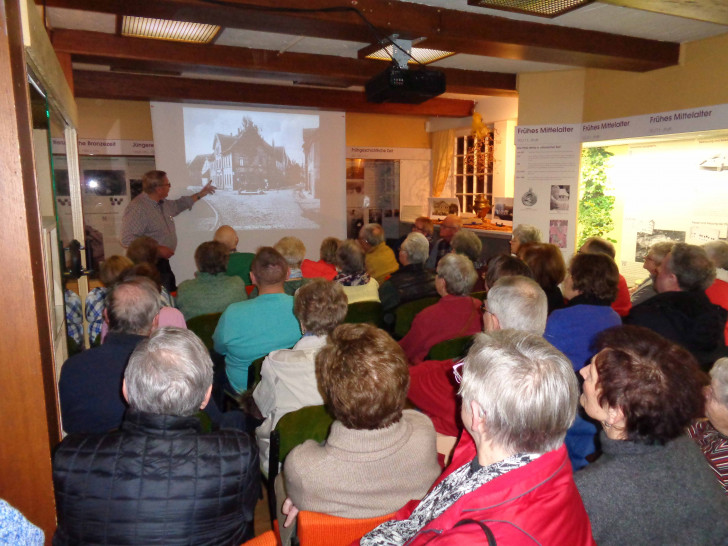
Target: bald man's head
227, 236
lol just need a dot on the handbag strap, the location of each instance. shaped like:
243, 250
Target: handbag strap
488, 533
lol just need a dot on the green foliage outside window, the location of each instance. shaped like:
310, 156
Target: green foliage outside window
595, 206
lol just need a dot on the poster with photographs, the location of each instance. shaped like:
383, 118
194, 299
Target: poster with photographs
354, 222
646, 240
558, 230
560, 195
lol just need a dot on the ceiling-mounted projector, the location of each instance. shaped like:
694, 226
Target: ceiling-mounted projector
408, 86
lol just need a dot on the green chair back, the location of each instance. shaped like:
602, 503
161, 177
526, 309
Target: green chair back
405, 314
450, 349
204, 326
365, 311
294, 428
254, 372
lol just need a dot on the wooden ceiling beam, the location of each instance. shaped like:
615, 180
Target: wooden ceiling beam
170, 57
454, 30
110, 85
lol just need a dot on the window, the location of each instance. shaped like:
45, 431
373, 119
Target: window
473, 169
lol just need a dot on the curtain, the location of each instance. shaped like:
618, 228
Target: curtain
443, 143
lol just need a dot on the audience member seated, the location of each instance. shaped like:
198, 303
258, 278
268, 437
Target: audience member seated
448, 228
411, 281
514, 302
505, 265
110, 272
654, 258
288, 376
358, 285
549, 270
651, 485
74, 317
238, 262
379, 258
519, 398
159, 479
469, 244
456, 314
90, 385
711, 434
717, 292
378, 456
145, 250
253, 328
424, 226
168, 316
681, 311
590, 287
293, 251
596, 245
522, 234
211, 291
326, 266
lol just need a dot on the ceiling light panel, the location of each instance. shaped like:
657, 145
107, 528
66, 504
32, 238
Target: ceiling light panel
541, 8
163, 29
421, 55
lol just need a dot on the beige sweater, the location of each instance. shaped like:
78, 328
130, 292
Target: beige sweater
364, 473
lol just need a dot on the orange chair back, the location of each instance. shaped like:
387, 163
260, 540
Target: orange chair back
268, 538
315, 529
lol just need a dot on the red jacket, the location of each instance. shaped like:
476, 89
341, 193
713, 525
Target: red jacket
623, 303
535, 504
311, 270
718, 294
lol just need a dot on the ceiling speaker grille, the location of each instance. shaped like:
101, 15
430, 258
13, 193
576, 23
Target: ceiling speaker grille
541, 8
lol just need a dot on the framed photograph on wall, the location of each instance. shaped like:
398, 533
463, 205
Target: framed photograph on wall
442, 206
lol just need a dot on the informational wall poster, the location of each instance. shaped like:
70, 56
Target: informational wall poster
547, 175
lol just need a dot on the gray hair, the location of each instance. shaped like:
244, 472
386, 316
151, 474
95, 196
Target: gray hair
660, 250
350, 258
719, 375
417, 248
526, 234
292, 249
132, 305
526, 388
169, 373
467, 243
519, 303
691, 266
717, 251
372, 234
152, 180
458, 273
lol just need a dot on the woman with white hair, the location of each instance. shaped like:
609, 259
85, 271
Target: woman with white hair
455, 315
353, 276
711, 434
411, 281
522, 234
519, 398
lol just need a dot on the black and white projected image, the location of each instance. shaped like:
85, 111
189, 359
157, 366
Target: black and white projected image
264, 165
646, 240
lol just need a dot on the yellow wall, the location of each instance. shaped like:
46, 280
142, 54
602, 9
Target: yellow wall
551, 97
575, 96
114, 119
132, 120
384, 130
699, 80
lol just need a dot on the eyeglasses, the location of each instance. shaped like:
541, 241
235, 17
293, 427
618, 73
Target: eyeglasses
484, 308
166, 185
456, 371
